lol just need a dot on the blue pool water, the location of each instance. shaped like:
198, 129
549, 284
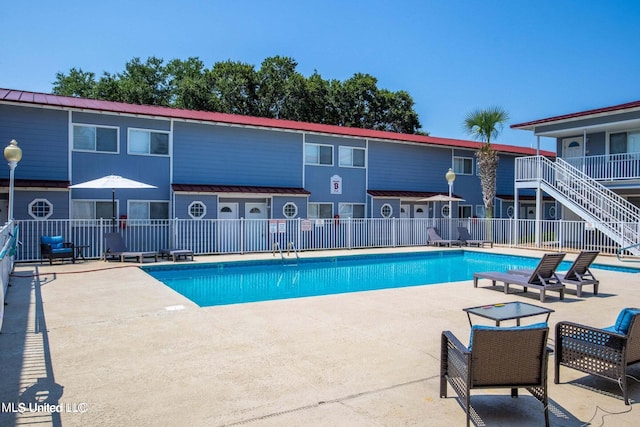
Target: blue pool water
250, 281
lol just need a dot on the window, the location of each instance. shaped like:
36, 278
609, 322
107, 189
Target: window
386, 210
92, 209
148, 142
351, 210
463, 165
289, 210
510, 211
464, 211
445, 211
95, 138
624, 142
197, 210
351, 157
552, 212
40, 209
480, 211
148, 210
315, 154
320, 210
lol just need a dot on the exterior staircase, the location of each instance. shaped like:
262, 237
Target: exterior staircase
607, 211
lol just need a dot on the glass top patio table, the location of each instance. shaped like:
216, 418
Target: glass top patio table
507, 311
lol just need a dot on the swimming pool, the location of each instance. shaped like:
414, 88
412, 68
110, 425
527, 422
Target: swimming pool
250, 281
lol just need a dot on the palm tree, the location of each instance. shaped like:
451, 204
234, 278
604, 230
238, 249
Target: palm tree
485, 124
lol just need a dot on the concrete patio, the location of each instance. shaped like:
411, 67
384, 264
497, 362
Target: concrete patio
111, 346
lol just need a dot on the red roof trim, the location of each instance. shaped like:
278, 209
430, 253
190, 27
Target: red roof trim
210, 188
626, 106
233, 119
35, 183
403, 193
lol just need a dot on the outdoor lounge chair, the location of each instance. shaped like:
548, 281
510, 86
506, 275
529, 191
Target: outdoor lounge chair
497, 357
543, 277
606, 353
54, 247
578, 274
466, 239
433, 238
115, 247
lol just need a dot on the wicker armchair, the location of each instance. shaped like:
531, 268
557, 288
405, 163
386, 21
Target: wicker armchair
498, 358
606, 353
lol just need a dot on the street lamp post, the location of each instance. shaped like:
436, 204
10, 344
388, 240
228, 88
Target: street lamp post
13, 154
450, 176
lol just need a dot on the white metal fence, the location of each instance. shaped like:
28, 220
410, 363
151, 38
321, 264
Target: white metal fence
225, 236
8, 241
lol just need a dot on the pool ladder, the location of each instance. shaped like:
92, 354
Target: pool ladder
290, 247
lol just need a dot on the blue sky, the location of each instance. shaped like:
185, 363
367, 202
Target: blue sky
534, 58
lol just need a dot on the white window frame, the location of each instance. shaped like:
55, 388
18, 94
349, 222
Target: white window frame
95, 142
315, 215
347, 149
444, 211
38, 201
344, 206
94, 210
382, 208
627, 133
480, 211
462, 207
464, 160
295, 210
193, 204
309, 145
148, 203
149, 132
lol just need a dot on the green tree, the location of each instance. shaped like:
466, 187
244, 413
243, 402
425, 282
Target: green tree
234, 86
77, 83
486, 124
276, 90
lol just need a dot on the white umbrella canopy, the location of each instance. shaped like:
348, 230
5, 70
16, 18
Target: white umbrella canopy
112, 182
441, 198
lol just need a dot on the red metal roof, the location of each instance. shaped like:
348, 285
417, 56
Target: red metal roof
209, 188
11, 95
35, 183
403, 193
580, 114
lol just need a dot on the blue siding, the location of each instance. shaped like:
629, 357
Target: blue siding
278, 203
182, 202
318, 178
59, 201
223, 155
43, 136
408, 167
153, 170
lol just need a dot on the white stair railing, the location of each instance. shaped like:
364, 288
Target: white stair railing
613, 214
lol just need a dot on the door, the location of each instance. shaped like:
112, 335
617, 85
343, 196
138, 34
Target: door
573, 152
228, 235
404, 225
421, 223
257, 228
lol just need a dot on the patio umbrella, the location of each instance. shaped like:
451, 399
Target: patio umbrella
440, 198
112, 182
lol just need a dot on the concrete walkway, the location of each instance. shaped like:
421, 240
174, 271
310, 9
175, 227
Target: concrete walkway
104, 344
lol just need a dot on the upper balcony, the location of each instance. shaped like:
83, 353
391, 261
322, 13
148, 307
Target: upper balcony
608, 167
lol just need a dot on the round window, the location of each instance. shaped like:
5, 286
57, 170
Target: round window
510, 211
40, 209
445, 211
552, 212
386, 210
197, 210
289, 210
